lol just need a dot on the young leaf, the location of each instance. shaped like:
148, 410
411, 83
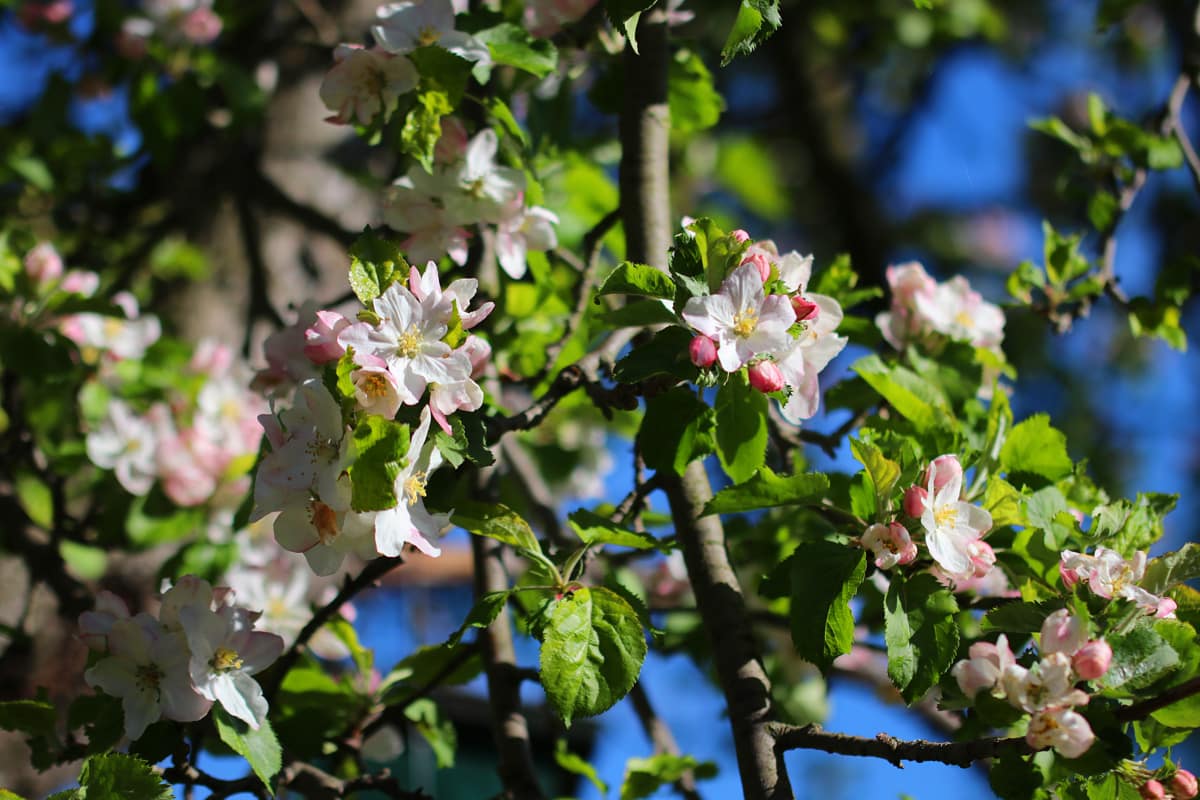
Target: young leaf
645, 776
259, 747
1034, 447
638, 279
482, 614
756, 20
574, 764
768, 490
118, 775
678, 428
497, 522
375, 263
921, 634
592, 528
35, 717
1172, 569
914, 397
825, 576
423, 126
381, 445
883, 471
741, 429
514, 46
592, 651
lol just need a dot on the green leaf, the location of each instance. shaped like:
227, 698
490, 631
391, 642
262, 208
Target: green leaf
768, 490
638, 279
694, 102
482, 614
756, 20
595, 529
592, 650
259, 747
467, 442
921, 634
741, 428
914, 397
749, 169
381, 445
1140, 657
883, 472
423, 126
1172, 569
1183, 713
117, 775
375, 263
1003, 502
497, 522
677, 429
153, 519
84, 561
645, 776
514, 46
34, 717
435, 729
576, 765
1020, 617
1127, 526
1034, 447
35, 498
637, 314
825, 576
501, 113
625, 14
429, 663
666, 353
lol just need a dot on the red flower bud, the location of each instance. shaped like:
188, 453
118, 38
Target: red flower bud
915, 499
740, 236
703, 351
1152, 790
806, 310
766, 377
1184, 785
1092, 660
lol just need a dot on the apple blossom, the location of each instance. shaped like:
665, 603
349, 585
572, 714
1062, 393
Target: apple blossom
119, 338
43, 264
456, 298
890, 543
148, 670
432, 234
225, 653
765, 376
985, 667
1050, 683
404, 27
915, 499
951, 526
545, 18
702, 351
477, 189
325, 529
409, 522
1109, 575
1062, 632
95, 625
1061, 728
520, 231
125, 443
761, 258
1152, 790
942, 470
741, 319
375, 388
808, 354
365, 82
320, 339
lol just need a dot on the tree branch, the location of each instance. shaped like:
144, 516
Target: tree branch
893, 750
661, 738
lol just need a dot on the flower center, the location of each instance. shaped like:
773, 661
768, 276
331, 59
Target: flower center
428, 35
148, 676
225, 660
408, 344
324, 519
964, 319
744, 322
946, 516
374, 385
414, 488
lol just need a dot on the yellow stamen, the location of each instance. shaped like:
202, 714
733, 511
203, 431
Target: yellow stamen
374, 385
225, 660
408, 345
946, 516
324, 519
414, 488
428, 35
744, 322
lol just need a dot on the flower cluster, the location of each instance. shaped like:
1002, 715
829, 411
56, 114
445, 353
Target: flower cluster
415, 352
784, 338
199, 443
929, 313
954, 529
1047, 690
200, 649
1109, 575
1181, 786
176, 22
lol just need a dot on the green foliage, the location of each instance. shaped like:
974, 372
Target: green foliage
645, 776
116, 775
921, 633
514, 46
756, 21
375, 263
1034, 448
423, 128
258, 746
593, 646
677, 429
765, 489
381, 445
694, 102
824, 578
594, 529
741, 428
638, 279
496, 522
576, 765
913, 397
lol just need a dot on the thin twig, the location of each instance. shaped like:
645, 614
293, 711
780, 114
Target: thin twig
893, 750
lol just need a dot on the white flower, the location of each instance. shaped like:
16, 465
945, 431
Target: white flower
484, 189
984, 668
409, 522
890, 543
281, 599
526, 229
956, 311
147, 667
741, 319
375, 388
802, 361
226, 652
1049, 684
403, 27
325, 530
432, 234
125, 443
1110, 576
951, 526
364, 83
427, 288
1062, 632
1061, 728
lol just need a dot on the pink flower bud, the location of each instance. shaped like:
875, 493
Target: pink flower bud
1062, 632
1184, 785
321, 338
915, 500
201, 26
740, 236
1069, 576
982, 556
766, 377
944, 469
1166, 608
43, 264
806, 310
1152, 790
703, 351
78, 281
1091, 661
761, 260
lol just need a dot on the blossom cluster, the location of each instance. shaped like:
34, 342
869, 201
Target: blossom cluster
464, 186
1048, 689
200, 649
953, 528
176, 22
1109, 575
783, 337
929, 313
413, 352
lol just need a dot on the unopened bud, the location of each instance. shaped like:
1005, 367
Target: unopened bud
761, 260
943, 470
806, 310
740, 236
1152, 790
915, 500
766, 377
1184, 785
1092, 660
703, 351
43, 264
